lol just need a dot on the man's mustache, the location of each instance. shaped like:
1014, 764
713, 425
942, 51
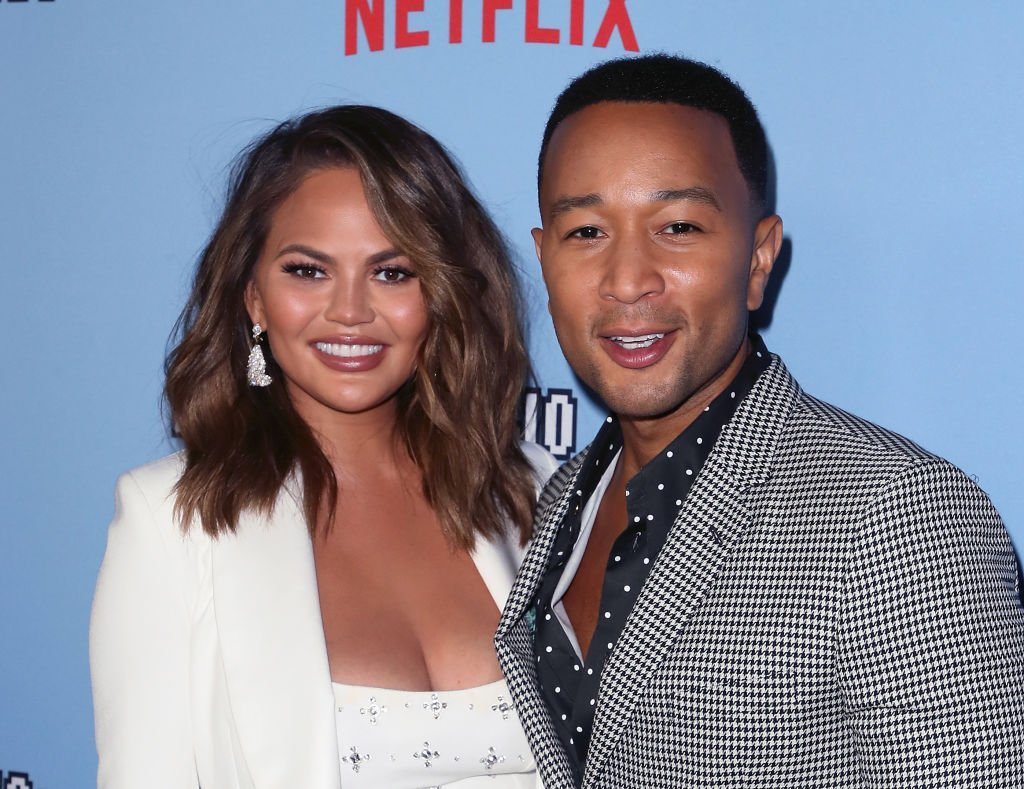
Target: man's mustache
643, 314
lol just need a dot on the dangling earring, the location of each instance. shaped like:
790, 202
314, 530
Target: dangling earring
256, 369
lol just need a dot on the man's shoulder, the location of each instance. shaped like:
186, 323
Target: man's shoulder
831, 427
812, 425
818, 446
847, 453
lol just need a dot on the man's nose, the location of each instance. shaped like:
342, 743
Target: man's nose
630, 272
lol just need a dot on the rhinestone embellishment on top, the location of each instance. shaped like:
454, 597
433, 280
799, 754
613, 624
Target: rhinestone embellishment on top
435, 706
373, 709
449, 740
503, 707
356, 759
427, 755
491, 759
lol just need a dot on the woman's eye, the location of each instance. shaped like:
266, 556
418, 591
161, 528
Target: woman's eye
680, 228
587, 233
392, 274
304, 270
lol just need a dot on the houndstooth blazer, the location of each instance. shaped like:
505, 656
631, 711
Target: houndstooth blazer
834, 607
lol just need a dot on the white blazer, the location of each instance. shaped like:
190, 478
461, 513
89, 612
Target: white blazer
208, 658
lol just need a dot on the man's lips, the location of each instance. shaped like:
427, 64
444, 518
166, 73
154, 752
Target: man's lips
636, 350
636, 342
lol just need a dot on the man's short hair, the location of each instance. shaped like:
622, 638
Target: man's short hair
671, 79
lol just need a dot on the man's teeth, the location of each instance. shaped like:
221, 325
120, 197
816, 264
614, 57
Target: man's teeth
635, 343
346, 350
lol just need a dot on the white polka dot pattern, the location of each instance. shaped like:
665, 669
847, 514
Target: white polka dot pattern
652, 507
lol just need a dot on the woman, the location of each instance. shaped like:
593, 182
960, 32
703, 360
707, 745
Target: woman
306, 595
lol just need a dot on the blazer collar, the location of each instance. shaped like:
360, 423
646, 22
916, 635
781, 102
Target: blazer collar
551, 508
497, 560
514, 639
275, 657
717, 512
746, 446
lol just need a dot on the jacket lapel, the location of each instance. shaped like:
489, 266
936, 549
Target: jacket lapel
275, 658
496, 561
714, 518
514, 638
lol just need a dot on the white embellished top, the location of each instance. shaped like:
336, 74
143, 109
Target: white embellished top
402, 739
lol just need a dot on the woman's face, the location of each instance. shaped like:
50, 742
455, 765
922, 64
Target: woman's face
343, 310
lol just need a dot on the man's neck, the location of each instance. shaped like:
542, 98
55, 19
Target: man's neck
643, 438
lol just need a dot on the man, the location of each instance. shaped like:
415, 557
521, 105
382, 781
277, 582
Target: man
735, 584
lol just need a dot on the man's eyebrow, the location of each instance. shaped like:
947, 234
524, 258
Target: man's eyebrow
563, 204
697, 194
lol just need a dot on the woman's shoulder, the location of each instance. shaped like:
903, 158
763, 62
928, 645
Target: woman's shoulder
147, 492
160, 474
154, 480
544, 464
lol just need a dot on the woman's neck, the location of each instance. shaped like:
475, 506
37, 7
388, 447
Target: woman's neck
363, 444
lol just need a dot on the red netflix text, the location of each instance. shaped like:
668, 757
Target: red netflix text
368, 16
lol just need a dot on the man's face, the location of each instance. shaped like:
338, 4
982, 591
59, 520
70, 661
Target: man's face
651, 253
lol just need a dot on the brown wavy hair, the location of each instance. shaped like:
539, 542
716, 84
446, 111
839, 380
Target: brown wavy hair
456, 417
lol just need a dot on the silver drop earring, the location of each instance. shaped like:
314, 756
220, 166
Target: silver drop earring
256, 368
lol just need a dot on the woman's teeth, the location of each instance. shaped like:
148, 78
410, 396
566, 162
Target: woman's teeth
636, 343
346, 350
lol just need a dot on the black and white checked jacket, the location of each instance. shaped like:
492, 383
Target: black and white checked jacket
834, 607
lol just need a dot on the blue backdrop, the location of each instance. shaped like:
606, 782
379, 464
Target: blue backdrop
896, 131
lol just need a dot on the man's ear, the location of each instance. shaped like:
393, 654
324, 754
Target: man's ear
538, 242
767, 243
254, 304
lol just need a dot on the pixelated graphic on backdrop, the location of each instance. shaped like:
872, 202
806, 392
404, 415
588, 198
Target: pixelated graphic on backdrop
898, 300
15, 780
549, 418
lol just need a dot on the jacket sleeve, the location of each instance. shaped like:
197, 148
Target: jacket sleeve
139, 651
932, 644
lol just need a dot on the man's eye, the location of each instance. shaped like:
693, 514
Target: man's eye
304, 270
392, 274
680, 228
587, 233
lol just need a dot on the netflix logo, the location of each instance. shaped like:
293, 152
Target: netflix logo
366, 20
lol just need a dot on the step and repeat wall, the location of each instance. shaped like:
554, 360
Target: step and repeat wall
896, 133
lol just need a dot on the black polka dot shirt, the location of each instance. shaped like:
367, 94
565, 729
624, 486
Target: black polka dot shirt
569, 683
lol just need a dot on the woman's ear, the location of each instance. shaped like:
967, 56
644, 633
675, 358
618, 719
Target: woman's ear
254, 304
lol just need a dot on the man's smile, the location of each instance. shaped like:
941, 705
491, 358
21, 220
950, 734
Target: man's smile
638, 350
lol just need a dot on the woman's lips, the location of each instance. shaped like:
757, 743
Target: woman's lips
638, 350
351, 357
348, 349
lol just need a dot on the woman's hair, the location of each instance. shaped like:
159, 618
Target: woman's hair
456, 417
